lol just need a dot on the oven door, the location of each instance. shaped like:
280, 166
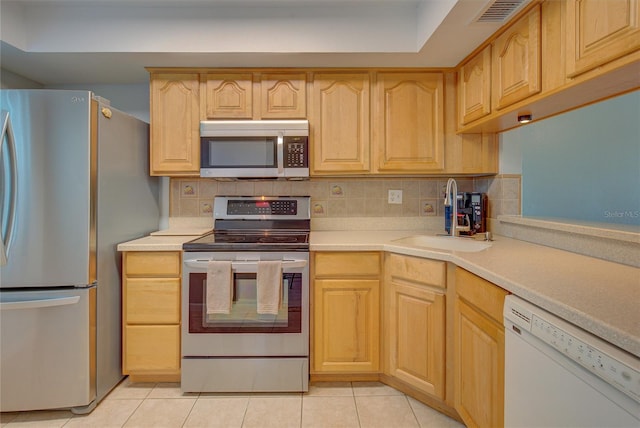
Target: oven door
244, 332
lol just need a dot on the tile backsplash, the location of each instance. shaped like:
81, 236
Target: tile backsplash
349, 197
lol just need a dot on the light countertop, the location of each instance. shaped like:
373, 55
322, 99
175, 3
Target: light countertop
599, 296
163, 242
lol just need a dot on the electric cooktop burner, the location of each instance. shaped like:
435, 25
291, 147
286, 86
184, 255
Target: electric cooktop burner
257, 224
250, 240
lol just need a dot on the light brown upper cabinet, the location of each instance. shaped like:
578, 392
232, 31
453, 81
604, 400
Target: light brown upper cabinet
340, 123
255, 96
600, 31
473, 153
229, 96
408, 123
175, 124
474, 87
516, 56
283, 96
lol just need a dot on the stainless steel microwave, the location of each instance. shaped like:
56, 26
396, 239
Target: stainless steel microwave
254, 149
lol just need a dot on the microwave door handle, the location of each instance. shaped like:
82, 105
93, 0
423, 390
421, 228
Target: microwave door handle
280, 155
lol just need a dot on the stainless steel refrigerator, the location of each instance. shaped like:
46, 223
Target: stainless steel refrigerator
74, 183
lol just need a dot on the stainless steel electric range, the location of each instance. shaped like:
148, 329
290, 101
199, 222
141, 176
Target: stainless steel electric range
240, 349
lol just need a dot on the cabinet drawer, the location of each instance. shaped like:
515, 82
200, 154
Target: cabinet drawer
347, 264
415, 269
152, 301
152, 263
481, 293
153, 348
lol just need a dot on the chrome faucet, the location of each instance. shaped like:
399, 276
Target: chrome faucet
451, 200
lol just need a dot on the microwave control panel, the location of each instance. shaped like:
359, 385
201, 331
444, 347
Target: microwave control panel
295, 152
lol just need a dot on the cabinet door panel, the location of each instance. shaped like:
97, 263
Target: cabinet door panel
409, 122
152, 348
175, 124
152, 300
479, 364
152, 263
346, 325
340, 118
516, 61
229, 96
599, 31
283, 96
346, 264
474, 87
417, 345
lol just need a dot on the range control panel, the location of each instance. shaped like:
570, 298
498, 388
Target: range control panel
262, 207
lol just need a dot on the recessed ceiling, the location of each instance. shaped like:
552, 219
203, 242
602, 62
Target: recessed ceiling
97, 41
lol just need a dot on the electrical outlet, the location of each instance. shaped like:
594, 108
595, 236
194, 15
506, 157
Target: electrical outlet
395, 196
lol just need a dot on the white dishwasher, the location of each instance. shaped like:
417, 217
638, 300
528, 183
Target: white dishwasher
558, 375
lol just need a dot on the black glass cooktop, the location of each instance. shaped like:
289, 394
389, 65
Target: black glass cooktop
250, 240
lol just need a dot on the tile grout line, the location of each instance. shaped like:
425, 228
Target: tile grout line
190, 410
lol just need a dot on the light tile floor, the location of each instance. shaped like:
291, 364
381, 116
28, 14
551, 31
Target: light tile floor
326, 405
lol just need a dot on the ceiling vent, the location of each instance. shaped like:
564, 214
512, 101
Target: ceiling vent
499, 10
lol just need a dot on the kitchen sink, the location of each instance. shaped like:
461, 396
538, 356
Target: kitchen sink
444, 243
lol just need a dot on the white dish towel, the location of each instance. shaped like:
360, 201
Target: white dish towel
219, 287
269, 286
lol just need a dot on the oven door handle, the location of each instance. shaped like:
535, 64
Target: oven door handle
246, 266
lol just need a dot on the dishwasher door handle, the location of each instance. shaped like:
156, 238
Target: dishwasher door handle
41, 303
246, 266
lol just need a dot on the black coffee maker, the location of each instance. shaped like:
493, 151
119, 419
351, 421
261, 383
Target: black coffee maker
472, 212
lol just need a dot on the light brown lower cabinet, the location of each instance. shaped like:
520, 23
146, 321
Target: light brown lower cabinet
414, 322
346, 313
151, 315
478, 351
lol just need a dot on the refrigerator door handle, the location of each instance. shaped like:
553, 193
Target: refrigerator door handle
37, 304
7, 219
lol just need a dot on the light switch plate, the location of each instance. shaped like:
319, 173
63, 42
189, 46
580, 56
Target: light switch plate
395, 196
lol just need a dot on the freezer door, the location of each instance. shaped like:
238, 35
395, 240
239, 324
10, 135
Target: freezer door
47, 349
52, 237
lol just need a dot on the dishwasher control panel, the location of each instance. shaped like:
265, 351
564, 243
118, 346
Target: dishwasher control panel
614, 366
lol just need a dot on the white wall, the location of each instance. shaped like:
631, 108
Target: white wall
9, 80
